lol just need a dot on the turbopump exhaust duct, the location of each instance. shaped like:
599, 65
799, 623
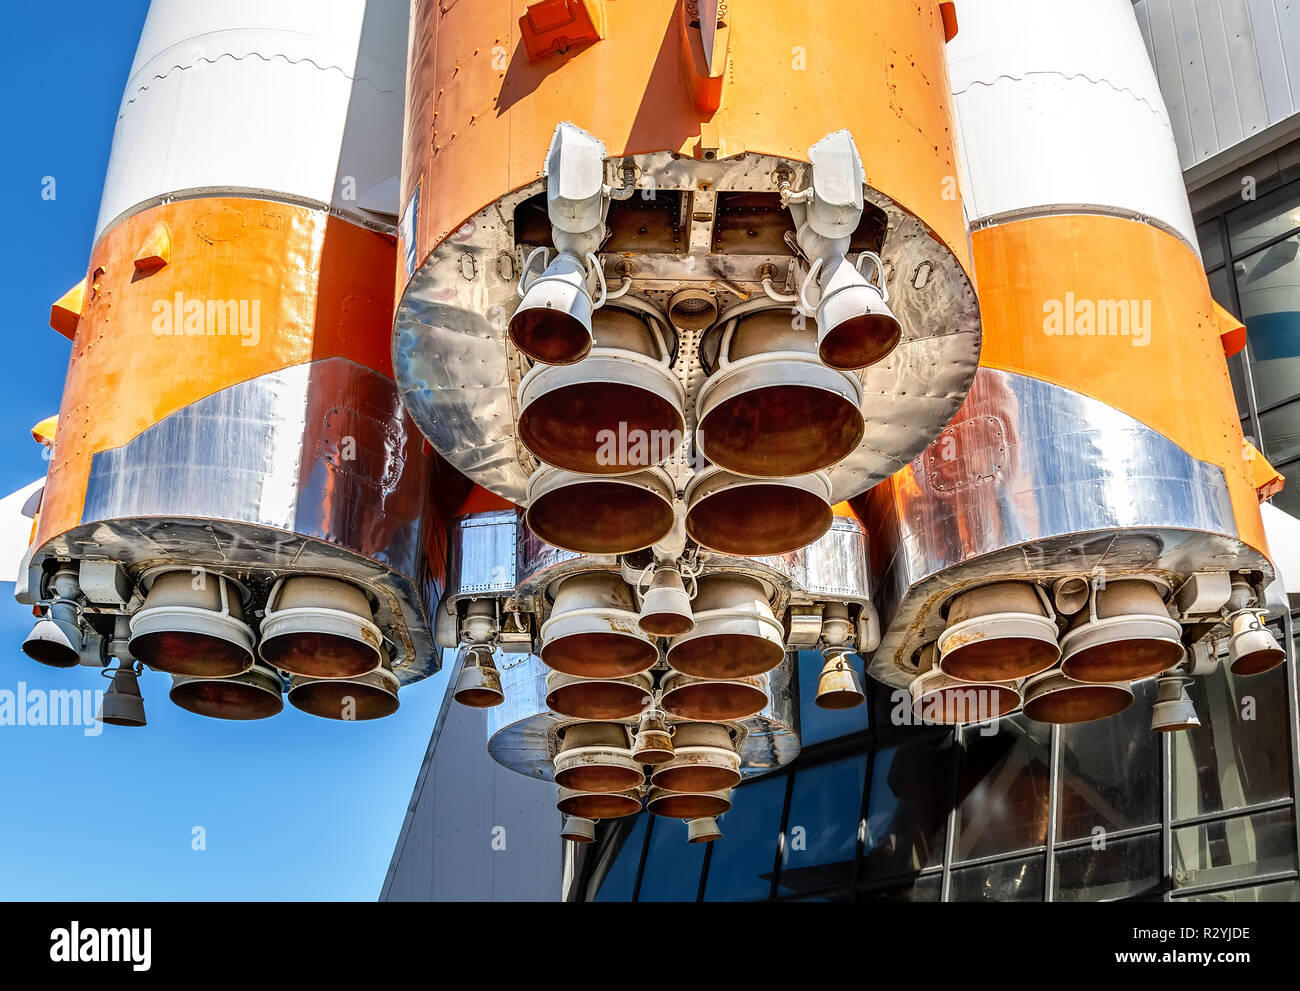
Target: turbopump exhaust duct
553, 323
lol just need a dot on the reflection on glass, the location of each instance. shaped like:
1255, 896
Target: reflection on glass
620, 878
821, 835
1267, 217
1128, 868
1002, 790
825, 724
740, 868
1211, 246
1278, 891
1240, 755
672, 866
1235, 849
1110, 771
926, 888
1007, 881
1268, 285
907, 807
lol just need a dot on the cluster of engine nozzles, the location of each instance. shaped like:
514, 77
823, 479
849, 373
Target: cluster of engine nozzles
629, 711
1069, 655
318, 631
770, 420
602, 407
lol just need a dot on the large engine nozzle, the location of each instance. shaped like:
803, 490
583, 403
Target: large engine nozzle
588, 515
1054, 698
998, 632
751, 517
255, 694
735, 634
320, 628
773, 409
1125, 634
192, 624
592, 631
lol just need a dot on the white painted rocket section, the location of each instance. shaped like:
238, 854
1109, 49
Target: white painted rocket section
288, 99
1283, 532
1053, 99
16, 529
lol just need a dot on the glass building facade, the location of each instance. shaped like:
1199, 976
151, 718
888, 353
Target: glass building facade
1021, 811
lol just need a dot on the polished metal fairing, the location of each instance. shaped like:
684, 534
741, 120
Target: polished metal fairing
494, 555
313, 469
459, 376
1032, 479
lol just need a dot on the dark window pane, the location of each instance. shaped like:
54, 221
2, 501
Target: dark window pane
1281, 430
825, 724
1278, 891
1110, 771
672, 866
1002, 789
1289, 499
821, 833
1235, 849
1269, 216
1128, 868
1007, 881
891, 713
907, 807
740, 869
1240, 754
1240, 391
838, 895
1211, 242
620, 877
1219, 288
926, 888
1268, 285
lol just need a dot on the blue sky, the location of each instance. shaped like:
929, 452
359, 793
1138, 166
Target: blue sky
293, 807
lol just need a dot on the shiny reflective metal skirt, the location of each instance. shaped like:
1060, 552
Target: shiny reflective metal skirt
1034, 480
